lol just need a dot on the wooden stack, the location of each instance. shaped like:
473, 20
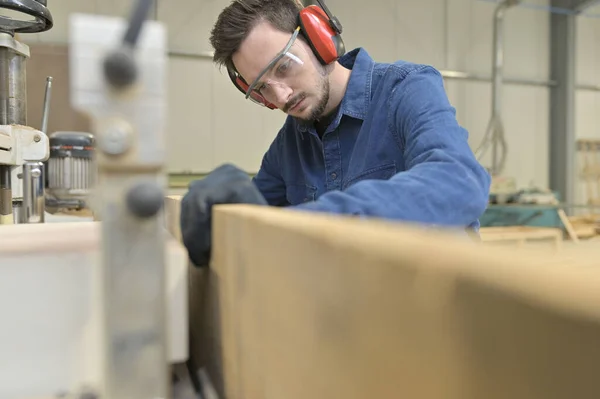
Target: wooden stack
589, 167
587, 226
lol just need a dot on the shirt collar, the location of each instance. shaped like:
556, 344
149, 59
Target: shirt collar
357, 98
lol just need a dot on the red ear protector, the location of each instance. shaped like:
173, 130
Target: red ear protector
322, 33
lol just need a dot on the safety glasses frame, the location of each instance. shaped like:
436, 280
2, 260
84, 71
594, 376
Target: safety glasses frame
275, 60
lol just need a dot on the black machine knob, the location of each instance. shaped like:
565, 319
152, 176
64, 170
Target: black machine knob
120, 69
145, 199
38, 9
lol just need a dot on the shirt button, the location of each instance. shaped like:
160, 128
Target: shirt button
334, 175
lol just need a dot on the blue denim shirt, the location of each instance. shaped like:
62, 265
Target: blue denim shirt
394, 150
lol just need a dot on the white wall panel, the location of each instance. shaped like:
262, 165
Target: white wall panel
390, 30
458, 32
587, 114
526, 130
118, 8
470, 35
420, 32
373, 27
239, 129
190, 134
189, 23
527, 50
588, 49
210, 121
474, 46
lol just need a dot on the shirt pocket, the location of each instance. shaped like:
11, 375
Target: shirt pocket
380, 172
300, 193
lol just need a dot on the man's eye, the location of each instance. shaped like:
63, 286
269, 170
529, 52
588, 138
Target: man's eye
283, 68
262, 87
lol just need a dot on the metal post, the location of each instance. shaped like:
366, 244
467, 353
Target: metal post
497, 71
13, 87
33, 193
6, 210
46, 113
44, 126
13, 110
562, 105
494, 134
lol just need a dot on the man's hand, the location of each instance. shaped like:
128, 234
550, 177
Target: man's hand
224, 185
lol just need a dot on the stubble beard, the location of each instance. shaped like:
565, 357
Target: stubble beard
318, 109
323, 98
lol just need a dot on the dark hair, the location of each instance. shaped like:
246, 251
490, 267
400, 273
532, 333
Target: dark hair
237, 20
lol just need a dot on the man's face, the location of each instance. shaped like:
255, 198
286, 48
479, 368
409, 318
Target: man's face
297, 83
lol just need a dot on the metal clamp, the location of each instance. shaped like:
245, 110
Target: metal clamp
33, 193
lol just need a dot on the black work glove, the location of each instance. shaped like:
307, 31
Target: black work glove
225, 185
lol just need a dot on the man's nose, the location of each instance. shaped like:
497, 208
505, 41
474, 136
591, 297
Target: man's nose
283, 93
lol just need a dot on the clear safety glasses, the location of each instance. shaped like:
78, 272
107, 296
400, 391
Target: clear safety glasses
278, 73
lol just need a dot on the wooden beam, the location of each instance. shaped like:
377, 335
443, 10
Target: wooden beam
317, 306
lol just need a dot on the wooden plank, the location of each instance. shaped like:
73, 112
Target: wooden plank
520, 235
518, 231
171, 214
316, 306
568, 226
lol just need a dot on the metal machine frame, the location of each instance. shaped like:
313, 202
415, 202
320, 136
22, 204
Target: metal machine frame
123, 90
22, 148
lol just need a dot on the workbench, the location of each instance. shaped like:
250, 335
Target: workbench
521, 215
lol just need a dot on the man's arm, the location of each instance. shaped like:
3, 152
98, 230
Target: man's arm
268, 180
444, 184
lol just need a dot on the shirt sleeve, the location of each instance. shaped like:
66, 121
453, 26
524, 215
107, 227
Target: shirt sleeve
268, 180
443, 183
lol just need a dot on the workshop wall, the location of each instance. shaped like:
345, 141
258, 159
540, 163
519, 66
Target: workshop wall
212, 123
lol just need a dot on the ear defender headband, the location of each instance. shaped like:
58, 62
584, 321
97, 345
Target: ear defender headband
322, 32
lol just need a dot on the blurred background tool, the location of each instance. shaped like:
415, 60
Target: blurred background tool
19, 143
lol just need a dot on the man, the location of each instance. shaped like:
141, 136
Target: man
361, 137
